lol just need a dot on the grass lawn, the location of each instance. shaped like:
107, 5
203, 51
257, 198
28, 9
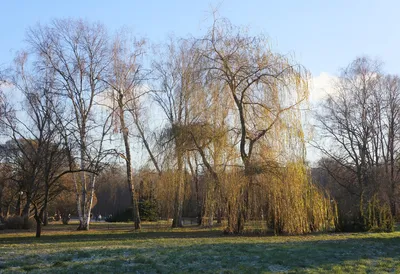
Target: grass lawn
115, 248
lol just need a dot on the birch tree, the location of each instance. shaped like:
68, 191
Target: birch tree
78, 53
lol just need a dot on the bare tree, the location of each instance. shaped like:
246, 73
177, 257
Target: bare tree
78, 53
357, 122
347, 119
35, 148
125, 82
389, 131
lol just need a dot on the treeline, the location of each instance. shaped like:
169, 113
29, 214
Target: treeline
360, 126
218, 116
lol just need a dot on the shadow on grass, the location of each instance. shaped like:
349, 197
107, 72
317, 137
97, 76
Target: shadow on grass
101, 236
125, 232
193, 256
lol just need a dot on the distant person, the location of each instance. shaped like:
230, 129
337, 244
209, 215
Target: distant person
99, 217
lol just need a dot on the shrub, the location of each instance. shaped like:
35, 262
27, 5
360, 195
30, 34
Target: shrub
378, 217
14, 222
17, 222
148, 211
123, 216
371, 215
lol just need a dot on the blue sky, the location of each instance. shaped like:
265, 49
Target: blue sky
323, 35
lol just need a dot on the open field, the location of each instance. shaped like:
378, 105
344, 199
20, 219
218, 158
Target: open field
115, 248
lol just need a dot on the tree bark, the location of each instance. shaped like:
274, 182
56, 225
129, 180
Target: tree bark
38, 226
128, 160
177, 221
89, 209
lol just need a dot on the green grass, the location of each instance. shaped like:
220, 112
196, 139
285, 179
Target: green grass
156, 249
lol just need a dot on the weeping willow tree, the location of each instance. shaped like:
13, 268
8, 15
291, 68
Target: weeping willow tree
179, 80
295, 205
266, 90
218, 149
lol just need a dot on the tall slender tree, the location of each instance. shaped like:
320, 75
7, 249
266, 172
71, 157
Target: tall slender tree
125, 81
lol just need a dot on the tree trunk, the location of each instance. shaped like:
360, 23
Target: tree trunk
18, 206
38, 228
78, 202
393, 197
177, 221
198, 202
195, 178
219, 215
208, 207
38, 223
84, 217
8, 210
135, 208
241, 219
45, 218
230, 229
84, 221
91, 195
25, 212
211, 217
128, 159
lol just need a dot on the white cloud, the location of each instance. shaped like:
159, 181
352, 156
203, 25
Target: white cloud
321, 86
